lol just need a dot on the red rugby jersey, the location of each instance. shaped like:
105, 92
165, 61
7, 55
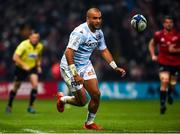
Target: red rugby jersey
164, 39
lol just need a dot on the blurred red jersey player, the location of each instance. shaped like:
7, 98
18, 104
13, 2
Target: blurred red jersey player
168, 42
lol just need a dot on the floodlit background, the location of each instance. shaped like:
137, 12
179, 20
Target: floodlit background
57, 18
54, 20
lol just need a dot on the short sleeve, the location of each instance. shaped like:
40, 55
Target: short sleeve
20, 49
102, 44
75, 40
156, 36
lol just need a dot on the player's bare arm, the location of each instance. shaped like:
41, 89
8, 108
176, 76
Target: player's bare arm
69, 53
108, 57
152, 50
39, 69
18, 61
174, 49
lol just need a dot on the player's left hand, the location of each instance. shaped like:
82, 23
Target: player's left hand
39, 69
120, 71
172, 48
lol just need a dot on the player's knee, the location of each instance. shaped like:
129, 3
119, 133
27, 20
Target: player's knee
165, 83
34, 87
34, 84
96, 96
34, 81
164, 80
82, 102
16, 86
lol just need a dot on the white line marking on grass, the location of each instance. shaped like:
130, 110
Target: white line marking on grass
33, 131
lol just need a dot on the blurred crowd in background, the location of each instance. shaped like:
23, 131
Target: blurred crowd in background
55, 19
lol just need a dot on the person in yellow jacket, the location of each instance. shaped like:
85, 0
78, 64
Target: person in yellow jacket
27, 58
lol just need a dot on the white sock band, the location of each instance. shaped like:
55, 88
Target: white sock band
113, 64
90, 118
66, 98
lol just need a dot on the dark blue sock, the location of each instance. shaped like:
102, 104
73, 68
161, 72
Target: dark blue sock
12, 95
32, 96
170, 90
162, 98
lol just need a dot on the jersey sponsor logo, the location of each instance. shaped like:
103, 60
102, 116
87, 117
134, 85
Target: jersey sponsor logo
91, 43
81, 74
174, 38
98, 36
162, 40
91, 72
33, 55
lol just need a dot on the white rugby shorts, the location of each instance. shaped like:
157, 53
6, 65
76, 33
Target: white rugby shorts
86, 72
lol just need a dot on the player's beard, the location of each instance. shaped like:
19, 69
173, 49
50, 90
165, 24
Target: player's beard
94, 27
97, 27
169, 27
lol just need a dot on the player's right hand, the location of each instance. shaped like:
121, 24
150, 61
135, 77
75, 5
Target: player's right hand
120, 71
172, 48
78, 79
154, 58
26, 67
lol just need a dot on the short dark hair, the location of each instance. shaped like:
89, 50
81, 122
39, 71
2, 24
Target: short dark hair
34, 32
167, 17
92, 9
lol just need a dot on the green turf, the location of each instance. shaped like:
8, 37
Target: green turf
115, 116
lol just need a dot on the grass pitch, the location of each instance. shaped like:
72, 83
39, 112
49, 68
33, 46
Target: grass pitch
117, 116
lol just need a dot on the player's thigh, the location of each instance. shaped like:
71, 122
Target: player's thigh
33, 78
91, 86
20, 74
80, 95
77, 90
164, 76
90, 83
69, 80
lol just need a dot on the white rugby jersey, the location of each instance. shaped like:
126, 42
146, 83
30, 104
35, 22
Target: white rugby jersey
83, 42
